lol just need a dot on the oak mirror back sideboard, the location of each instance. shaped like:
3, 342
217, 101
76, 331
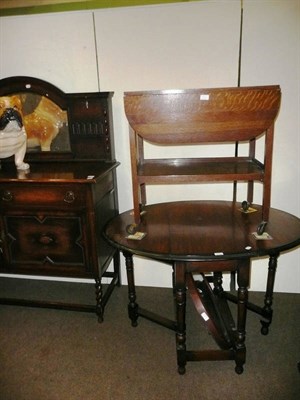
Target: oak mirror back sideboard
52, 213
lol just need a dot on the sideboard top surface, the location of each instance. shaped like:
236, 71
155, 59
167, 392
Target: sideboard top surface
83, 172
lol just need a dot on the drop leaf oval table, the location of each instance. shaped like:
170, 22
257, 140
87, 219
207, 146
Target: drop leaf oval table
196, 237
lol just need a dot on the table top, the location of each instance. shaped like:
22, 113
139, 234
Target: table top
204, 230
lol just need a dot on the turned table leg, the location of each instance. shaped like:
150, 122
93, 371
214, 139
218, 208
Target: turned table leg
99, 295
267, 309
243, 278
180, 299
132, 306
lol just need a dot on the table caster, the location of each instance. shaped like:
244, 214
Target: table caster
261, 228
131, 229
245, 205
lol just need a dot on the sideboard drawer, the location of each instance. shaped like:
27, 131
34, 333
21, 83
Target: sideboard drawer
42, 195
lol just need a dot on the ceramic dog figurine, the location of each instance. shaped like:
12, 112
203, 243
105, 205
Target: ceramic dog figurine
13, 138
43, 124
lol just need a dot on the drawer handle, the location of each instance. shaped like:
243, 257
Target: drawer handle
44, 239
69, 197
7, 196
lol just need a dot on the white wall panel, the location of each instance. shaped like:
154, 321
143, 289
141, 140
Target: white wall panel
271, 55
165, 47
169, 46
59, 48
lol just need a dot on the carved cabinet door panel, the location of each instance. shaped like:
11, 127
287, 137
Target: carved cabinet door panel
47, 243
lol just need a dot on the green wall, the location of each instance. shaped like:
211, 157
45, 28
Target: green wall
82, 5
